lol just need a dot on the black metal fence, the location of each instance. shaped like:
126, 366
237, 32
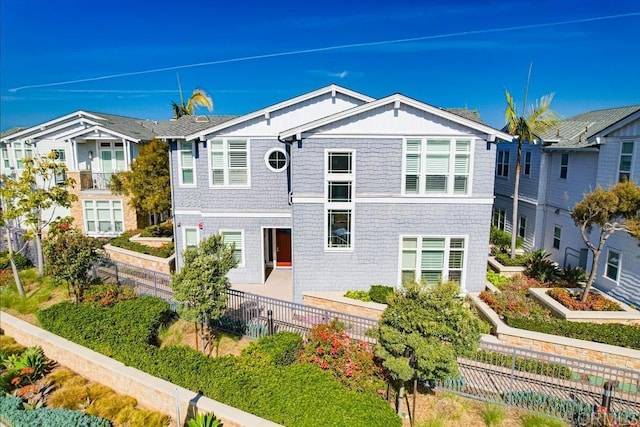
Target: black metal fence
559, 386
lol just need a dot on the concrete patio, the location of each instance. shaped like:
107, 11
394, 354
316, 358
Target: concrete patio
279, 284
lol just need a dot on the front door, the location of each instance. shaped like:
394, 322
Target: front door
283, 247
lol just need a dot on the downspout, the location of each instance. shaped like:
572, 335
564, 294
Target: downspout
287, 148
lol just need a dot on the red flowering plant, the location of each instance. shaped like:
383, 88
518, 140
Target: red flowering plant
594, 302
513, 300
351, 361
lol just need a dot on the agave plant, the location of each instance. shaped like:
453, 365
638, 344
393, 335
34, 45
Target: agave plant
204, 420
540, 267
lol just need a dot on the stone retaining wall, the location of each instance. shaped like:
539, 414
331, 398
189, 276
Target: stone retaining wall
150, 262
337, 302
151, 392
554, 344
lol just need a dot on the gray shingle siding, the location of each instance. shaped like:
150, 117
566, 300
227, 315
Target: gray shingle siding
377, 231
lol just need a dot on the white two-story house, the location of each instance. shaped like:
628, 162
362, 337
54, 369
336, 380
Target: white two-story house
597, 148
345, 190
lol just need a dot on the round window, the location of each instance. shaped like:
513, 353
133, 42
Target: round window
277, 159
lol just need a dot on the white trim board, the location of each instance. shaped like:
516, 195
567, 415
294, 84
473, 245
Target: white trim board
406, 200
237, 214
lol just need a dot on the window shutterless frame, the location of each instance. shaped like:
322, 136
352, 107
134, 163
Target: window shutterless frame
339, 193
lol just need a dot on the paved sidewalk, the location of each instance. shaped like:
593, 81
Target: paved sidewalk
279, 285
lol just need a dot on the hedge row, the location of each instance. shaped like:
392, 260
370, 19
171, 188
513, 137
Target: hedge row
122, 241
296, 394
13, 413
606, 333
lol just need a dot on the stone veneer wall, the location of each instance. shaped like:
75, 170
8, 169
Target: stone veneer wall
569, 347
150, 392
337, 302
546, 343
161, 265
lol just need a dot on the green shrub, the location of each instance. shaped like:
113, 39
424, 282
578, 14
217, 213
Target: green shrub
525, 365
21, 261
605, 333
537, 420
506, 260
502, 240
291, 395
159, 230
280, 349
497, 279
13, 412
122, 241
359, 295
379, 293
573, 276
204, 420
540, 267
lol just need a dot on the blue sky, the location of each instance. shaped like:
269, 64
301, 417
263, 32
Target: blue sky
459, 54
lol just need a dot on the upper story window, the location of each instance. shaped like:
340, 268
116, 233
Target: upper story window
526, 167
564, 165
229, 163
186, 163
22, 150
112, 157
499, 218
437, 166
339, 182
557, 235
432, 258
502, 168
60, 157
276, 159
4, 152
626, 160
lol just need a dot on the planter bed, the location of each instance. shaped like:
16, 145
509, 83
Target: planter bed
507, 271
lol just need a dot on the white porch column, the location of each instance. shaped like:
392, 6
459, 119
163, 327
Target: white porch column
127, 153
74, 154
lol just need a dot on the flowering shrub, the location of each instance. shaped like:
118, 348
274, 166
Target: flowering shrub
108, 295
351, 361
594, 302
513, 300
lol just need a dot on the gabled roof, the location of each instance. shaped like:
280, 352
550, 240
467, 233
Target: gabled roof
187, 125
127, 127
580, 131
466, 113
395, 99
275, 107
10, 132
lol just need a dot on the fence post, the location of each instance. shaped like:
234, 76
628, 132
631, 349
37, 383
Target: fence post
270, 321
607, 395
513, 370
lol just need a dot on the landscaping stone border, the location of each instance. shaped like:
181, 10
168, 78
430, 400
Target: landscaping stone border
336, 301
628, 315
562, 346
149, 262
506, 271
150, 392
155, 242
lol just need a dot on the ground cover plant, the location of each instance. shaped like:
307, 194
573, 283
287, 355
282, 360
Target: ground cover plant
377, 293
123, 242
594, 302
295, 394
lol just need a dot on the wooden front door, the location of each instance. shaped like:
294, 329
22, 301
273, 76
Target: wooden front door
283, 248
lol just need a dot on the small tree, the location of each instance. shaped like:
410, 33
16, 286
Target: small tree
201, 284
36, 191
148, 182
70, 256
611, 210
433, 323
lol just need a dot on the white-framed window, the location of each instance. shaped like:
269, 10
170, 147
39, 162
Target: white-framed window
22, 150
191, 237
186, 163
112, 156
557, 235
276, 159
613, 265
235, 237
502, 167
60, 157
499, 218
626, 160
229, 163
338, 196
4, 152
103, 217
526, 166
522, 227
564, 165
432, 258
437, 166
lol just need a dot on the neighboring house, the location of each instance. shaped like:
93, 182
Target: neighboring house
346, 190
594, 148
93, 146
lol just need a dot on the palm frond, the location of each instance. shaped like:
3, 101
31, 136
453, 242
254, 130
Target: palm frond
510, 116
199, 98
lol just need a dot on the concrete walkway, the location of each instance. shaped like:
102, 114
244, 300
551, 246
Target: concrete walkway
279, 285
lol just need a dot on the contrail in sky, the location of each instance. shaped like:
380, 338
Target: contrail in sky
329, 48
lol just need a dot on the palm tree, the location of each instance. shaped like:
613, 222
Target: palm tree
537, 119
199, 98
